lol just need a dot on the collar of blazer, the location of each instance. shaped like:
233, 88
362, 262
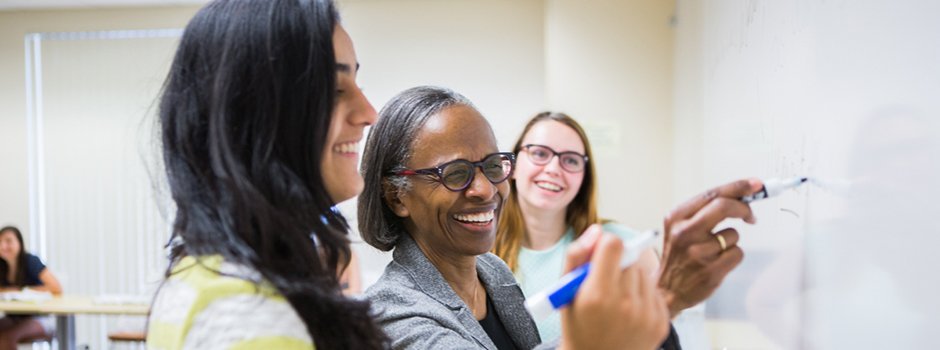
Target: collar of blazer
500, 285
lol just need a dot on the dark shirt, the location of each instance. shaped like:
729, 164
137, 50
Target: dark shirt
34, 266
497, 332
494, 328
672, 341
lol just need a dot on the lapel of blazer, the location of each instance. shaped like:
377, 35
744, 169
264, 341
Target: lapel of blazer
508, 299
430, 281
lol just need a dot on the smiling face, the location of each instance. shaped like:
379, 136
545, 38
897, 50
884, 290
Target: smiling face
9, 246
351, 114
548, 187
452, 223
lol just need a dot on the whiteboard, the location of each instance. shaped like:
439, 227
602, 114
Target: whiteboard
847, 93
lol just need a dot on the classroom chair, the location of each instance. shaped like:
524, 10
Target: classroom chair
133, 340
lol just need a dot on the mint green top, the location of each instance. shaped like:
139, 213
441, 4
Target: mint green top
540, 268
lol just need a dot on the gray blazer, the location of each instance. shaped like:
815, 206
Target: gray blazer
418, 309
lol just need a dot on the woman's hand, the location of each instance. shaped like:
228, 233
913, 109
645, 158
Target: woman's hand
614, 308
694, 263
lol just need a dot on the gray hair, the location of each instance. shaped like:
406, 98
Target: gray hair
387, 150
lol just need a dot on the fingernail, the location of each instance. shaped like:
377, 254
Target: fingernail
751, 219
590, 236
755, 184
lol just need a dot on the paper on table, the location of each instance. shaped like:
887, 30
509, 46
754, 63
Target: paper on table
122, 299
26, 295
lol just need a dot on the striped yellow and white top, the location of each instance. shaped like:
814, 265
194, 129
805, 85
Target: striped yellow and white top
199, 308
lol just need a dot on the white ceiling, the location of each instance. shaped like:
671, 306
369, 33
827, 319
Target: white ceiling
46, 4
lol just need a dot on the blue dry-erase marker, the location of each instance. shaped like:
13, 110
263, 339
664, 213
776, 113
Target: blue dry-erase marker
773, 187
562, 292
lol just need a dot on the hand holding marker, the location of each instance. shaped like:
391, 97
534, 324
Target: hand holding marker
774, 187
562, 292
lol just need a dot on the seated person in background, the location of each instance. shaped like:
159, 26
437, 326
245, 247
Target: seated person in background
349, 280
20, 269
443, 290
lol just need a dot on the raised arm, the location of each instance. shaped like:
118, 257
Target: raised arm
695, 260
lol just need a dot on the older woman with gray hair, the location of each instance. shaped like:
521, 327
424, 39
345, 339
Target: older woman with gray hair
444, 290
424, 198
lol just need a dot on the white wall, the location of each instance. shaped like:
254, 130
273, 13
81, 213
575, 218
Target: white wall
490, 51
842, 92
13, 26
609, 66
687, 101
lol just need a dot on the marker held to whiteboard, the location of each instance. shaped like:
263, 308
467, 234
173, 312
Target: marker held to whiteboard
562, 292
773, 187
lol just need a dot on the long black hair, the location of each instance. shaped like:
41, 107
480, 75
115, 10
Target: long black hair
19, 277
244, 116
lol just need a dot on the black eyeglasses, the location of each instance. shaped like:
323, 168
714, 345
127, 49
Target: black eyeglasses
458, 174
570, 161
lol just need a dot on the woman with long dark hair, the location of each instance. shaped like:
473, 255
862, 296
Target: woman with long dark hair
19, 269
261, 119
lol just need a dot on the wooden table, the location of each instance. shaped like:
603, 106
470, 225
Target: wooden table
65, 307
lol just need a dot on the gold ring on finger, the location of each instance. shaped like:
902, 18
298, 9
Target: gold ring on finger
721, 241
